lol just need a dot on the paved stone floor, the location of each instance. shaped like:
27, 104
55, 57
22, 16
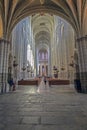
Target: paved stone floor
43, 108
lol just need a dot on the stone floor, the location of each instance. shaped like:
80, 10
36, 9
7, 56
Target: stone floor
43, 108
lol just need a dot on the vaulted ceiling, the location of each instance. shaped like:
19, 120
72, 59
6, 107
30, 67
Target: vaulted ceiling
42, 25
12, 11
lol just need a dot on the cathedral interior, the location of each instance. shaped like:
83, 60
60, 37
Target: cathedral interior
43, 38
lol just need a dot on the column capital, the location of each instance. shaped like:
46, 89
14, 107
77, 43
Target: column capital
4, 40
81, 38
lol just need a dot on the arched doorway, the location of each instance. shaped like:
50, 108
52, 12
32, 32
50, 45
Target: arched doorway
49, 33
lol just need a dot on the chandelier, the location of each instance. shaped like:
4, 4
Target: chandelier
28, 68
15, 62
72, 64
42, 2
54, 67
62, 68
24, 68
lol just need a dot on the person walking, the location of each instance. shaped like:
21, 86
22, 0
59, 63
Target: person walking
45, 80
11, 83
14, 86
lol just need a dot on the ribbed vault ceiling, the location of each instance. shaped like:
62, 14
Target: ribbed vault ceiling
42, 25
12, 11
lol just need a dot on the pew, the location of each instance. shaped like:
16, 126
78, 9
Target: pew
30, 82
58, 82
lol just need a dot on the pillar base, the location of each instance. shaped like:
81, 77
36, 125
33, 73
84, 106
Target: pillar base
83, 86
81, 45
81, 82
4, 50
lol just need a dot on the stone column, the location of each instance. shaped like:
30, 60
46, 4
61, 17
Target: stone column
41, 69
81, 72
4, 49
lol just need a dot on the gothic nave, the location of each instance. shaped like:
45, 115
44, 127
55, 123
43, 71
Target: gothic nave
38, 39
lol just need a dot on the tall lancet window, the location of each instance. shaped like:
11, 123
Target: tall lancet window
30, 57
28, 53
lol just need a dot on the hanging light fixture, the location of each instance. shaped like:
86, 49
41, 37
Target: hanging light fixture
24, 68
14, 62
42, 2
62, 68
72, 64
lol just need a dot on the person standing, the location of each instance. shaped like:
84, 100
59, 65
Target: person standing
45, 80
14, 86
11, 83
